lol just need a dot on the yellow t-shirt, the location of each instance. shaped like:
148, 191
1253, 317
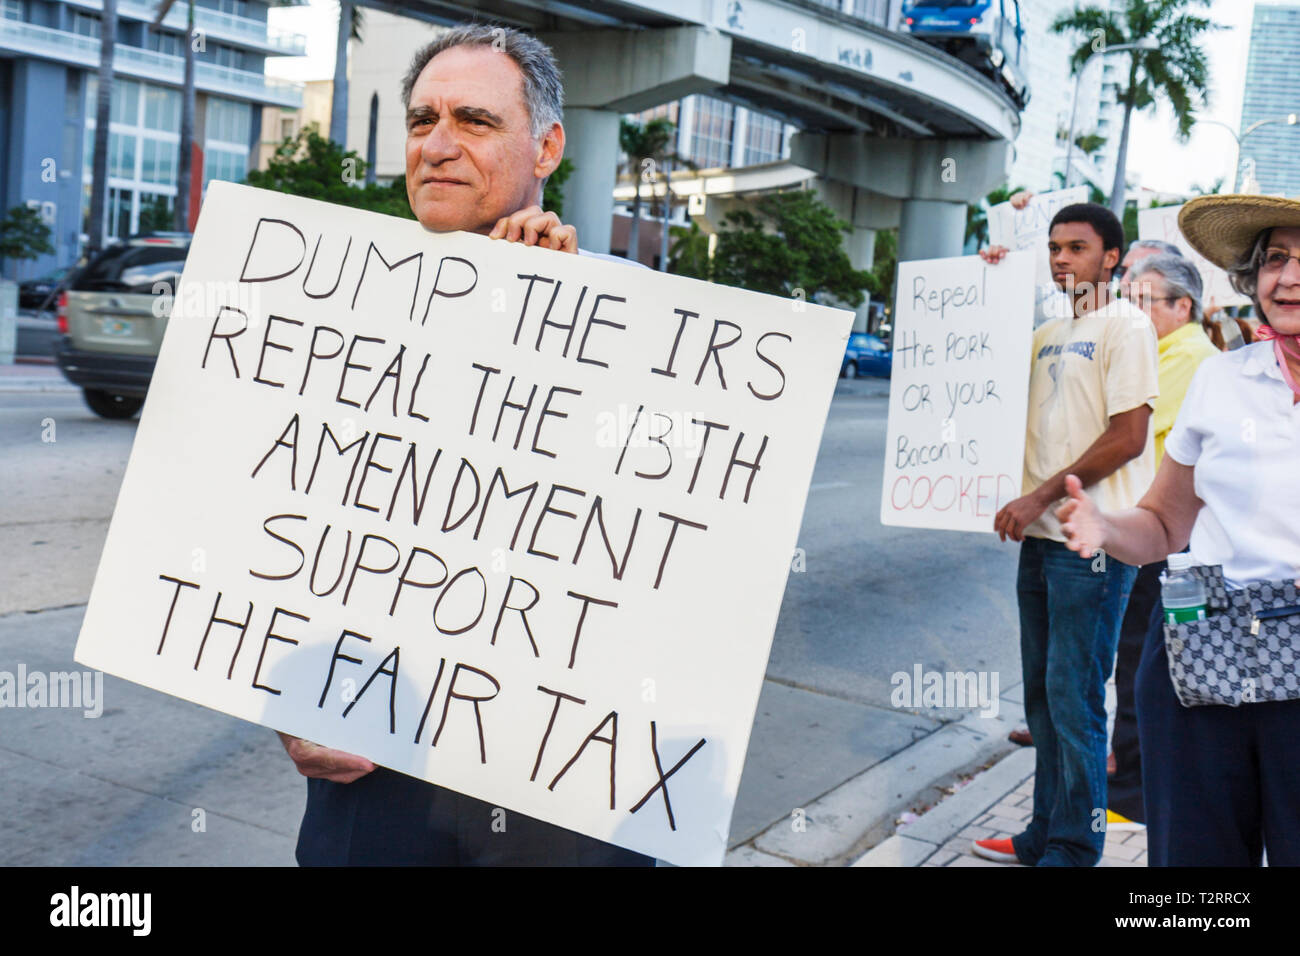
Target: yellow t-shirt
1083, 371
1181, 353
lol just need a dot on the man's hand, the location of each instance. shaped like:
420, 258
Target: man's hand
536, 228
994, 254
1021, 199
313, 760
1012, 520
1081, 520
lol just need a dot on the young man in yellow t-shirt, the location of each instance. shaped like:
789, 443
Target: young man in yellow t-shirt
1092, 387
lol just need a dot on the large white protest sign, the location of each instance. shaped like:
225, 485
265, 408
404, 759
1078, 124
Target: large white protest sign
1028, 229
1161, 223
510, 520
959, 391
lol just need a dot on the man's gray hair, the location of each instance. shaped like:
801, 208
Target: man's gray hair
543, 90
1180, 275
1162, 247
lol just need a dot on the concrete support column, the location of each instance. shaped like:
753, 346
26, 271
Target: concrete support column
860, 246
686, 126
37, 155
931, 229
739, 134
591, 142
611, 72
867, 213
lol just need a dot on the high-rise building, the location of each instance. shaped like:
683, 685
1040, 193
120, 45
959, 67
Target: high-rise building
49, 57
1109, 114
1272, 92
1041, 147
1041, 143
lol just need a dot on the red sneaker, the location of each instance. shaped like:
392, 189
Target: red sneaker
1001, 851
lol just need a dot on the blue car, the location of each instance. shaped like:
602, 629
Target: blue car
866, 355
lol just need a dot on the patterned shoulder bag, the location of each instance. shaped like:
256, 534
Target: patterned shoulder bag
1247, 648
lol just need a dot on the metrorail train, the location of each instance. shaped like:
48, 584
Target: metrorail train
987, 34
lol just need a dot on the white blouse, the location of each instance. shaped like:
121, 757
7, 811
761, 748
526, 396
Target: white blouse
1240, 429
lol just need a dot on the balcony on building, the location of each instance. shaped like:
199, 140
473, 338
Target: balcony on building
64, 46
247, 32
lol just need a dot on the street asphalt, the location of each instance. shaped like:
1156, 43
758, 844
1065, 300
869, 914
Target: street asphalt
832, 761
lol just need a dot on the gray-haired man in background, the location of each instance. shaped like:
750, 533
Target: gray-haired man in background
1138, 250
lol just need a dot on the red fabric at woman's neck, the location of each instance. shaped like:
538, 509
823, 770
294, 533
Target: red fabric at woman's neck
1284, 347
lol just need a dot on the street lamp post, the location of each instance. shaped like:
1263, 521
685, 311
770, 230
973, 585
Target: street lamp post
1146, 43
1291, 119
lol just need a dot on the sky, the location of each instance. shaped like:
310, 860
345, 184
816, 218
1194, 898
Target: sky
1155, 160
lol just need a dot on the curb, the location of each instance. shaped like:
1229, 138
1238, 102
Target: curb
841, 824
917, 842
35, 385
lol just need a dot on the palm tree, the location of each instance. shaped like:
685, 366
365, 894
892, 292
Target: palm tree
181, 212
641, 142
1089, 143
350, 14
103, 112
1176, 67
184, 170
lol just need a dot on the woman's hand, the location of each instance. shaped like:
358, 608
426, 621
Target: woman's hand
1081, 520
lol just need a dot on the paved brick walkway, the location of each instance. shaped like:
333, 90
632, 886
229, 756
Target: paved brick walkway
1008, 816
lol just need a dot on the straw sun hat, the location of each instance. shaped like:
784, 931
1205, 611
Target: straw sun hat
1223, 228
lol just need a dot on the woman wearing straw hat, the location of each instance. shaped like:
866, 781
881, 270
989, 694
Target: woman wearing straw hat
1222, 783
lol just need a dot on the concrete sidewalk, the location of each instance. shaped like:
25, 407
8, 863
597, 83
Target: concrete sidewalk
994, 804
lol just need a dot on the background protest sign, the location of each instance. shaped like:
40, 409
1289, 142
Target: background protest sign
955, 445
1162, 223
1028, 229
514, 521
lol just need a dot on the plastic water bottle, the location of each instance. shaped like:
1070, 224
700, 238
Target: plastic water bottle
1181, 592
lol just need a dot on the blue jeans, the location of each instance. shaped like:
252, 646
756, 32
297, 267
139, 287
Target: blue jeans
1070, 614
1222, 784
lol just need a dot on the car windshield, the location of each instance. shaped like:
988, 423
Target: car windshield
132, 269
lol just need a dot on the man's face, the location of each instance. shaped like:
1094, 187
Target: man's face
1150, 293
471, 158
1278, 289
1135, 255
1079, 263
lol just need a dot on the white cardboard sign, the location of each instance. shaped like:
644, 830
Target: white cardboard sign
1028, 228
1161, 223
959, 391
513, 521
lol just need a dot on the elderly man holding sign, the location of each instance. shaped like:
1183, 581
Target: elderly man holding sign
483, 108
509, 521
1092, 387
